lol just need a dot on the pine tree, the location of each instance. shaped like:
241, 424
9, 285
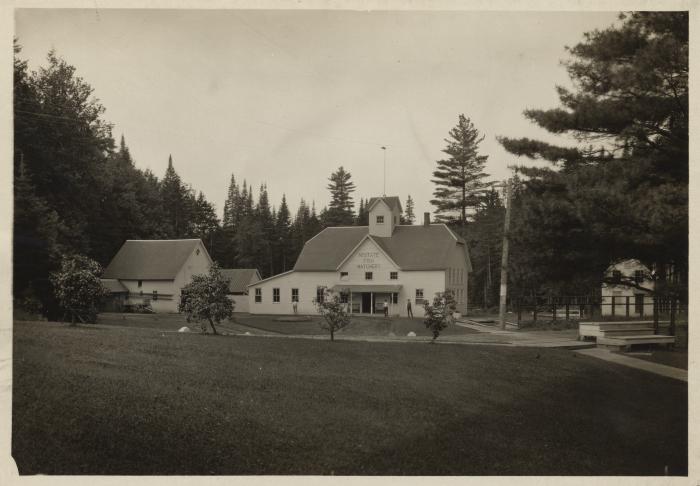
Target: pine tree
340, 209
460, 178
628, 198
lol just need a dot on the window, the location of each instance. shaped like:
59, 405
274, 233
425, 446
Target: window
368, 275
295, 295
394, 275
155, 295
343, 275
344, 297
419, 296
616, 275
140, 283
258, 295
380, 219
320, 294
639, 276
276, 295
394, 298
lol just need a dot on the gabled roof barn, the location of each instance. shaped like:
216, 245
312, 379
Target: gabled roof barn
151, 259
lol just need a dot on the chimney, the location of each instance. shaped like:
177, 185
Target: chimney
426, 219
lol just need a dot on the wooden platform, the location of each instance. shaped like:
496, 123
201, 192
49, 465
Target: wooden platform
623, 334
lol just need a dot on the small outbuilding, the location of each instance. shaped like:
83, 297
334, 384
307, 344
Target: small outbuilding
239, 280
153, 272
628, 290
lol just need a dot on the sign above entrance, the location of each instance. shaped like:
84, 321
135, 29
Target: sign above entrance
368, 260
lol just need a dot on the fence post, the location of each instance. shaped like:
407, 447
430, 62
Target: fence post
655, 311
554, 309
627, 306
672, 324
520, 311
567, 309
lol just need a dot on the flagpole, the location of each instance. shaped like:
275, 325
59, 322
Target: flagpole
384, 188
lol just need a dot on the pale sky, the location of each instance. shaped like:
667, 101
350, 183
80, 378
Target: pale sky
286, 97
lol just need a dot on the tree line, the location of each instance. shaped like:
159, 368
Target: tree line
78, 191
621, 192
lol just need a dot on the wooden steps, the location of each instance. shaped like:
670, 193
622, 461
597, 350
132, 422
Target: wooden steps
623, 334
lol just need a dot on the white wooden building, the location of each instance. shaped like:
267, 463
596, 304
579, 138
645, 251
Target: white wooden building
368, 265
155, 271
630, 284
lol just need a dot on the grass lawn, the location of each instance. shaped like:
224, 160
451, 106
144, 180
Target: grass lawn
359, 326
115, 400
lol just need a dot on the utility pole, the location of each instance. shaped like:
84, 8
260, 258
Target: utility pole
504, 261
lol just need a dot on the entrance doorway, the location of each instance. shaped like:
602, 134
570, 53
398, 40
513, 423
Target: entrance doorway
366, 303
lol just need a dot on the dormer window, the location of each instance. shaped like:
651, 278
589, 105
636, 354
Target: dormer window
380, 219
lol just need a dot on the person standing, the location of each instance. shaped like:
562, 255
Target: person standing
386, 308
294, 306
409, 311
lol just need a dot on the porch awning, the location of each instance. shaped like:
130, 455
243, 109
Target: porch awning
367, 288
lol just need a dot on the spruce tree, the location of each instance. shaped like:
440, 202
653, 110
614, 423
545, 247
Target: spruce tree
283, 239
460, 178
174, 194
231, 205
409, 217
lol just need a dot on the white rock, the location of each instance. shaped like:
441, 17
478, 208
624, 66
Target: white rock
184, 329
411, 334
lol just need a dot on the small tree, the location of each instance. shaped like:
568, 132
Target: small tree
78, 288
335, 317
205, 298
439, 315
